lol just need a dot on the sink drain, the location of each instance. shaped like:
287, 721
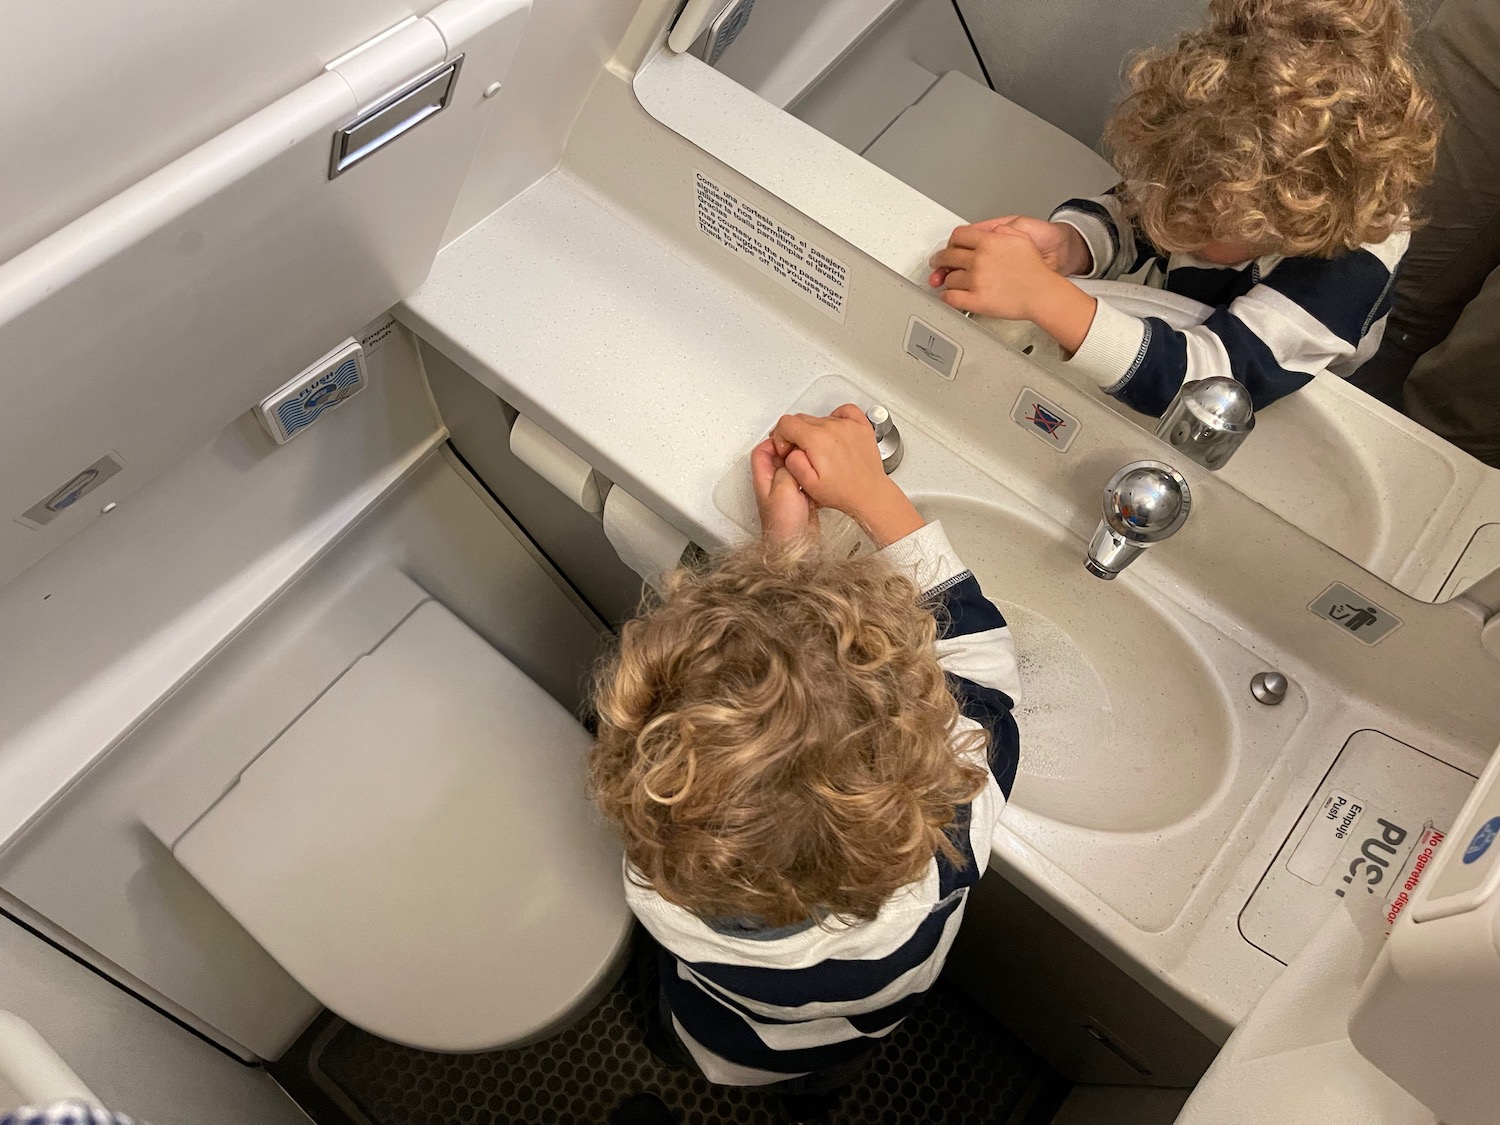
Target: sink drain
1268, 687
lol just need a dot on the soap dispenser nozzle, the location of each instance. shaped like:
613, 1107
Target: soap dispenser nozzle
887, 437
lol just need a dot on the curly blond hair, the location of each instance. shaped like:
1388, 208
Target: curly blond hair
1298, 126
777, 741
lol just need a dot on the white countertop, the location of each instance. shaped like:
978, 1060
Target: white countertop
662, 400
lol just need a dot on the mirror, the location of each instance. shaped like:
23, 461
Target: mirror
910, 117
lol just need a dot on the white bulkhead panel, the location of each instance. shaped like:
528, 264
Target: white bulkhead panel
140, 329
97, 95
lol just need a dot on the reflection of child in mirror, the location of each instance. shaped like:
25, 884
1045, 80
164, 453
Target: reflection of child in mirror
1268, 161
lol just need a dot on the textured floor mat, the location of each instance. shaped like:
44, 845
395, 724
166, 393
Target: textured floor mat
948, 1062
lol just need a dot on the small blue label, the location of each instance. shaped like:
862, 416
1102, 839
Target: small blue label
1482, 839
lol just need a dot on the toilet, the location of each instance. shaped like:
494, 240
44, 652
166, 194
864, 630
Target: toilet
416, 849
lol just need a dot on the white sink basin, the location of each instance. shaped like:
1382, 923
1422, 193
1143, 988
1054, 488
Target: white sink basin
1141, 745
1123, 726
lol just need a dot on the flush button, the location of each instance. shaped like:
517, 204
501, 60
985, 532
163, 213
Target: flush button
69, 492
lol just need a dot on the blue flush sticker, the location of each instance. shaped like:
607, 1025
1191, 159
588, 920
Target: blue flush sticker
1482, 840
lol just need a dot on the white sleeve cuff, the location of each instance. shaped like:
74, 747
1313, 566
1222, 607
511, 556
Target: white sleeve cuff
1113, 348
1095, 234
925, 556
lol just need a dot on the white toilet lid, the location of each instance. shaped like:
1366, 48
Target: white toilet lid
417, 849
982, 156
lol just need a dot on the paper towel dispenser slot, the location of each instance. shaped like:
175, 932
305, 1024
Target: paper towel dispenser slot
404, 110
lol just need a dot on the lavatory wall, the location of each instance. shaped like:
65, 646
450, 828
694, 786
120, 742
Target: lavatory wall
96, 95
124, 1052
128, 88
1062, 60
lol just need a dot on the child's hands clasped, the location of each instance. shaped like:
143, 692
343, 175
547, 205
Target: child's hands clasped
786, 512
836, 462
1062, 248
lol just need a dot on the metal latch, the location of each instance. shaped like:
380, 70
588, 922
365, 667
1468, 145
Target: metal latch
426, 95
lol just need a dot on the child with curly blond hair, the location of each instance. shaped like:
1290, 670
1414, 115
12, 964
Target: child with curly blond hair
805, 754
1268, 161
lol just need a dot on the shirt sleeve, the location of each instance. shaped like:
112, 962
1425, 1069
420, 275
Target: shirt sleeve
974, 646
1116, 247
1304, 315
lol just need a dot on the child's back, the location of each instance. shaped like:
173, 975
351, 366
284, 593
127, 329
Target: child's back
806, 762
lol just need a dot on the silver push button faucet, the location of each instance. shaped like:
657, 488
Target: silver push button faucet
886, 436
1144, 503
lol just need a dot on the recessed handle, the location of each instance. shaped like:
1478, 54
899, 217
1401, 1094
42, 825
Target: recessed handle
404, 110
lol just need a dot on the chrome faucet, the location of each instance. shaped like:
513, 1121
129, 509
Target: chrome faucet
887, 437
1144, 503
1208, 420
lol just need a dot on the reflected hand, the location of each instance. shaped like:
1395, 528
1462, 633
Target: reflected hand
1062, 248
998, 272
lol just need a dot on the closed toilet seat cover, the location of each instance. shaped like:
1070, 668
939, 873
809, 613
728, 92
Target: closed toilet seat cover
417, 849
982, 156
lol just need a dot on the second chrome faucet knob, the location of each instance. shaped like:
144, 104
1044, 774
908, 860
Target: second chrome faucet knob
1208, 420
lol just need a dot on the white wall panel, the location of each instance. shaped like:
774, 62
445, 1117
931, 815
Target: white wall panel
565, 46
143, 327
96, 95
136, 1060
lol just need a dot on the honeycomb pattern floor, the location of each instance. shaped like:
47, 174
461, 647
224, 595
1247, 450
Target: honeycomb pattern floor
947, 1063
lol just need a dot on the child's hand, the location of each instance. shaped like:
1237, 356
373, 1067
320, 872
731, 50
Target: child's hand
836, 461
1061, 246
786, 512
997, 272
1000, 272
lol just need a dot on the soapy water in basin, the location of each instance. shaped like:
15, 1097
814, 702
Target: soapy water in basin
1123, 725
1063, 703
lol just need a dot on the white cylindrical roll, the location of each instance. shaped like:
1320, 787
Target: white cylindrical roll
648, 544
33, 1069
555, 463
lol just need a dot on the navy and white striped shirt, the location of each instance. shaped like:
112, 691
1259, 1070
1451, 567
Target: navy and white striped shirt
1272, 323
758, 1006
